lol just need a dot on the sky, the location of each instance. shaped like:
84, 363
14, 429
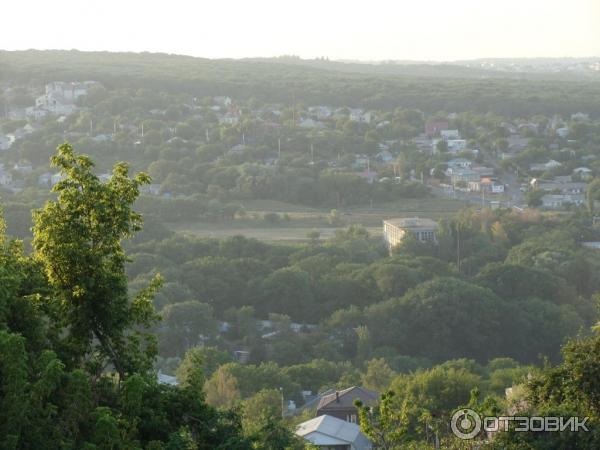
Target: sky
370, 30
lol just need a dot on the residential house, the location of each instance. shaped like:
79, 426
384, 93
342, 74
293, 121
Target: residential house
461, 163
559, 201
456, 145
395, 230
166, 379
60, 96
449, 134
434, 128
558, 186
463, 175
486, 184
424, 143
340, 404
595, 245
563, 132
330, 433
542, 167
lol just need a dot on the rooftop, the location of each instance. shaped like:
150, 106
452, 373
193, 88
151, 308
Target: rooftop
346, 397
331, 431
412, 222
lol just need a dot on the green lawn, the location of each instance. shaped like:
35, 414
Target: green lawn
303, 219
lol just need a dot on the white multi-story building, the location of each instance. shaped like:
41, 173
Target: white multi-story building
395, 230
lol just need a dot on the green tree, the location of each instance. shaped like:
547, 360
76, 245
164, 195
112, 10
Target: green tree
77, 239
378, 376
185, 324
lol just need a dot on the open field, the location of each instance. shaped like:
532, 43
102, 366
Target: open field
300, 220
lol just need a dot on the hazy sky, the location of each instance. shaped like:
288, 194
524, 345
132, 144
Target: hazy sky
367, 30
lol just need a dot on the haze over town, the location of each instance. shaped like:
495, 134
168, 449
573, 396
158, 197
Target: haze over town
380, 30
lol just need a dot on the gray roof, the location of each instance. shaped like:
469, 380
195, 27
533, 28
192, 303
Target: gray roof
347, 397
330, 431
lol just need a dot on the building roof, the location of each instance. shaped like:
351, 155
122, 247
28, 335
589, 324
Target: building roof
412, 222
329, 431
346, 397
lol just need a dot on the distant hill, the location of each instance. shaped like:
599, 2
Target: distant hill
428, 87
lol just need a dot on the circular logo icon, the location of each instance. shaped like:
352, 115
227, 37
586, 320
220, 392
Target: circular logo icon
465, 424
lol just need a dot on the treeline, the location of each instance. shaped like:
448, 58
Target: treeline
277, 81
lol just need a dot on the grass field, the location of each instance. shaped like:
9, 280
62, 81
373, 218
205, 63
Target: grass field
303, 219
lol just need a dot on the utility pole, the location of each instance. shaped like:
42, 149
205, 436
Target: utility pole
279, 148
458, 247
142, 129
312, 154
282, 406
207, 138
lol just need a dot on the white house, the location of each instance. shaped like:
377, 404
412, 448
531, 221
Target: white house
459, 162
456, 145
328, 432
449, 134
60, 97
544, 166
562, 132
